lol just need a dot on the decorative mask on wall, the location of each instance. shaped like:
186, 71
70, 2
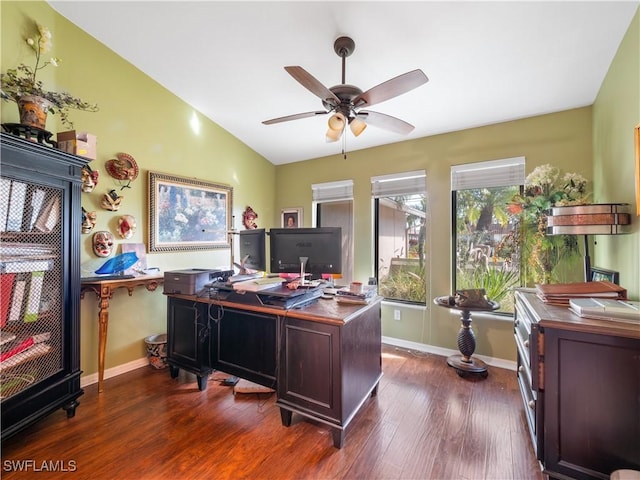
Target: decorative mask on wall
249, 218
102, 243
88, 220
111, 201
123, 168
126, 226
89, 179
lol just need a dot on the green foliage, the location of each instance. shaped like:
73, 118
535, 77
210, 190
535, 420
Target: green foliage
21, 81
405, 284
497, 283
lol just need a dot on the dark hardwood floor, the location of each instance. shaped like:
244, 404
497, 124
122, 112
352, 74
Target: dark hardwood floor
425, 423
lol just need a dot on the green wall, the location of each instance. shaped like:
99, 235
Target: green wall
562, 139
616, 113
141, 118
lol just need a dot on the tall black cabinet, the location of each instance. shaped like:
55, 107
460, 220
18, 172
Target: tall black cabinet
40, 224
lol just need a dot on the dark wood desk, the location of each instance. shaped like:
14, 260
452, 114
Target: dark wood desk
324, 360
104, 291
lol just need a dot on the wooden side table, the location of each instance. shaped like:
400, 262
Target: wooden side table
104, 291
464, 363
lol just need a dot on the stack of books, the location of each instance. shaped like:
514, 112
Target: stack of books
606, 309
561, 293
347, 296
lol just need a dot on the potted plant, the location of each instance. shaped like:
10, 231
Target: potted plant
546, 188
34, 102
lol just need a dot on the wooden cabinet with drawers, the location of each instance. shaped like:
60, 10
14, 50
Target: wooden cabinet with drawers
580, 383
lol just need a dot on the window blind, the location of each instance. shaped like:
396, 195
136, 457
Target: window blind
397, 184
492, 173
332, 191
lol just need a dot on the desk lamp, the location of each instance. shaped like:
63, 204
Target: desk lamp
593, 219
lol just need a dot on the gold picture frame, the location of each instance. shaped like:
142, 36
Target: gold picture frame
637, 142
188, 214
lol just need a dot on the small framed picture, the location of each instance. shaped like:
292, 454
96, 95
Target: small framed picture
600, 274
291, 217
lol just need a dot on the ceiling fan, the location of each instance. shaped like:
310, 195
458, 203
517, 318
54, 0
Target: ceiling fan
346, 101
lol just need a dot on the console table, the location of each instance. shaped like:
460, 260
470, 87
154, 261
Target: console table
104, 291
324, 360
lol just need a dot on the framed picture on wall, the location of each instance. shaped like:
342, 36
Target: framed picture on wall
188, 214
291, 217
637, 142
600, 274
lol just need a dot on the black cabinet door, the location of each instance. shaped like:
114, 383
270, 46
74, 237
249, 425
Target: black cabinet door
40, 216
246, 345
189, 336
310, 376
592, 404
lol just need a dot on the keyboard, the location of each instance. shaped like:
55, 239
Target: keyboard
105, 277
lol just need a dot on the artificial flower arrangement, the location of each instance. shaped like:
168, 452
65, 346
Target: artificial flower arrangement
21, 81
545, 188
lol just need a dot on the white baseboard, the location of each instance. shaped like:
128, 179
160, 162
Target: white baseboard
114, 372
445, 352
421, 347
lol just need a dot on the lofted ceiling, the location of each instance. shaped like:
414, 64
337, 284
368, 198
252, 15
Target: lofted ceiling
487, 62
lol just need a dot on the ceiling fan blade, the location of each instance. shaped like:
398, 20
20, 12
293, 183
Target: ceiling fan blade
386, 122
294, 117
391, 88
309, 82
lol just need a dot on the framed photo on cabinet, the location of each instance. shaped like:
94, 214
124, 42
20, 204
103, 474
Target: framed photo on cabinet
601, 274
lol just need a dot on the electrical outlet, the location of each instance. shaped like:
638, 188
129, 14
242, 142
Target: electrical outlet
396, 314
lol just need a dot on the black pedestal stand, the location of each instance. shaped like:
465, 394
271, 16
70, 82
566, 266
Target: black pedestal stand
464, 363
30, 133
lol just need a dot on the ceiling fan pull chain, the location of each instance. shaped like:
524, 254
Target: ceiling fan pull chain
344, 147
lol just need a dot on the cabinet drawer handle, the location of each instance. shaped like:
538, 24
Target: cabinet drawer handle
521, 369
532, 404
526, 343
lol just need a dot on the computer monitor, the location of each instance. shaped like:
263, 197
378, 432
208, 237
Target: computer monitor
321, 247
252, 249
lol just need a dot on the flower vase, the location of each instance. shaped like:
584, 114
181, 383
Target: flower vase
33, 110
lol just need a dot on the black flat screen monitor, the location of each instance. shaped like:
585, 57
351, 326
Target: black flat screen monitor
321, 246
252, 249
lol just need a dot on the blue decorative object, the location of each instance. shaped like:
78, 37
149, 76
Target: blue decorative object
118, 263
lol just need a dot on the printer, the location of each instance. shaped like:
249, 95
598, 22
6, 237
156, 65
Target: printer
192, 280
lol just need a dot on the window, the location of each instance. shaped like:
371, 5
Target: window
334, 208
400, 230
485, 246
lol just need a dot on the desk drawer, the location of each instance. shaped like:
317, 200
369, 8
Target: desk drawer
533, 406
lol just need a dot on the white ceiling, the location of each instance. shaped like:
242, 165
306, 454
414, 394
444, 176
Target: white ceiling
487, 62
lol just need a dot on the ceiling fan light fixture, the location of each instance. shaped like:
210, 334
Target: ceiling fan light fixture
357, 126
333, 135
337, 122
